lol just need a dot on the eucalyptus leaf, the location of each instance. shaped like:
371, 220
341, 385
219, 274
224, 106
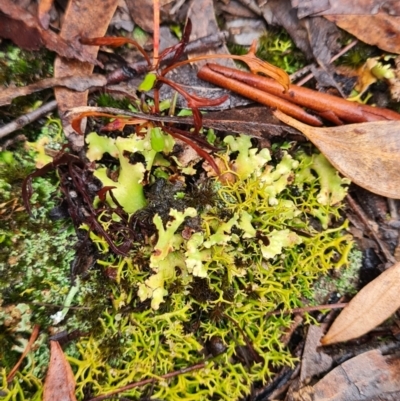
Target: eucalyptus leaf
366, 153
375, 303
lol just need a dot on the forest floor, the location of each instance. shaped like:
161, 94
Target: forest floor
193, 231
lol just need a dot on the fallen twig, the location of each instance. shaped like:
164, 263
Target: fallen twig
27, 119
361, 215
232, 79
308, 309
148, 381
77, 83
309, 67
332, 108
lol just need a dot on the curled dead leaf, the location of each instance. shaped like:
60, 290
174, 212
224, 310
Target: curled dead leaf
24, 30
385, 33
367, 153
375, 303
82, 18
256, 65
44, 8
32, 339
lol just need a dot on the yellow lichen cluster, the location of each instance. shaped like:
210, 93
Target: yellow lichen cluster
260, 245
257, 249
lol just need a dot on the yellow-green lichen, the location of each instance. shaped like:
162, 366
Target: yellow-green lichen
257, 246
256, 250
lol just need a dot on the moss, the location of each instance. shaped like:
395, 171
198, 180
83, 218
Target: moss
357, 55
106, 100
35, 257
342, 282
278, 49
22, 67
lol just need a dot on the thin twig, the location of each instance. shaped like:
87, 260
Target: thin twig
394, 215
58, 306
78, 83
307, 68
156, 30
307, 309
27, 119
361, 215
148, 381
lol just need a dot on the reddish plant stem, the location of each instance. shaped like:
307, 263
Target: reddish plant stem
32, 339
233, 83
156, 27
330, 107
308, 309
148, 381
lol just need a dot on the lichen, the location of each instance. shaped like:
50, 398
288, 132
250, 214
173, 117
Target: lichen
256, 249
207, 269
128, 188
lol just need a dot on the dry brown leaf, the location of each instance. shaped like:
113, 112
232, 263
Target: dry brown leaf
142, 13
375, 303
255, 121
24, 30
367, 153
77, 83
60, 381
314, 361
43, 12
385, 32
203, 13
83, 18
369, 376
306, 8
358, 17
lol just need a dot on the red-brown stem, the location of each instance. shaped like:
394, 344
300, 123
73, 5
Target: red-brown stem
198, 366
331, 107
309, 309
32, 339
156, 33
267, 99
